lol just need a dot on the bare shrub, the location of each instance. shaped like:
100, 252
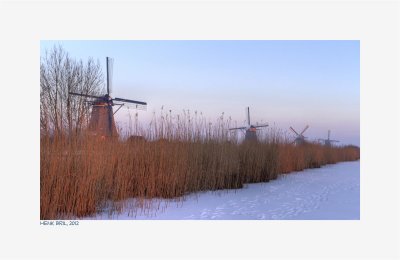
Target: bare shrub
59, 74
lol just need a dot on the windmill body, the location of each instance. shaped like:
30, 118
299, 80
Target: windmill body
251, 130
102, 123
300, 138
251, 134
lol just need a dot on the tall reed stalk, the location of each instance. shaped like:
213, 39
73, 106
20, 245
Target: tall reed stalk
80, 175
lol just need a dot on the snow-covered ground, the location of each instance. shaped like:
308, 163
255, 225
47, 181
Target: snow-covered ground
331, 192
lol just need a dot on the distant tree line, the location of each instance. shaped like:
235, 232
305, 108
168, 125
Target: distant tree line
61, 113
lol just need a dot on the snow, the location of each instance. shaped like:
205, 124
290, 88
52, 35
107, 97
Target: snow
331, 192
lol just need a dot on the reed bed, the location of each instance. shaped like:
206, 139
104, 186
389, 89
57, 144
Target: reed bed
81, 175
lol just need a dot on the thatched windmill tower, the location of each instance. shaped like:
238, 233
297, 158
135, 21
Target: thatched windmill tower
102, 123
251, 130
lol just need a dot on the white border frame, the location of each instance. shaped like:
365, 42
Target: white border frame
374, 23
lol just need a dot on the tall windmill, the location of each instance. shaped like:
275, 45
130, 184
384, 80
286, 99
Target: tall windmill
329, 141
250, 129
102, 123
300, 138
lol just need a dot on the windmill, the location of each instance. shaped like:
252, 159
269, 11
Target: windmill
250, 129
300, 138
102, 121
329, 141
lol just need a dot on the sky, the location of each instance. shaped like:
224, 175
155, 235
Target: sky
285, 83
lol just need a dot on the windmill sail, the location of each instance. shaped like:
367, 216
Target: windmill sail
130, 101
83, 95
302, 132
248, 116
110, 64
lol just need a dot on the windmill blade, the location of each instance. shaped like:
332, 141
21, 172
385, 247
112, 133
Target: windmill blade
304, 130
132, 106
135, 106
291, 128
258, 126
130, 101
83, 95
238, 128
110, 63
120, 105
329, 134
248, 115
334, 141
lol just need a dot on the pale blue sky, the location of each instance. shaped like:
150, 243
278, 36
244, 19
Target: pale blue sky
286, 83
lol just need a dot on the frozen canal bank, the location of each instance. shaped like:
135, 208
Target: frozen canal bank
330, 192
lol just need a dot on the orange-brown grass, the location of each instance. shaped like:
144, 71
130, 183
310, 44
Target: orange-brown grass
310, 155
81, 175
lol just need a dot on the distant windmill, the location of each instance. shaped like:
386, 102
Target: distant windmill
329, 141
102, 121
250, 129
300, 138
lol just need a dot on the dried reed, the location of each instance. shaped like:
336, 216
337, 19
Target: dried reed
179, 155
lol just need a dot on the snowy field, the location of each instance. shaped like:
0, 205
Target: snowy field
331, 192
